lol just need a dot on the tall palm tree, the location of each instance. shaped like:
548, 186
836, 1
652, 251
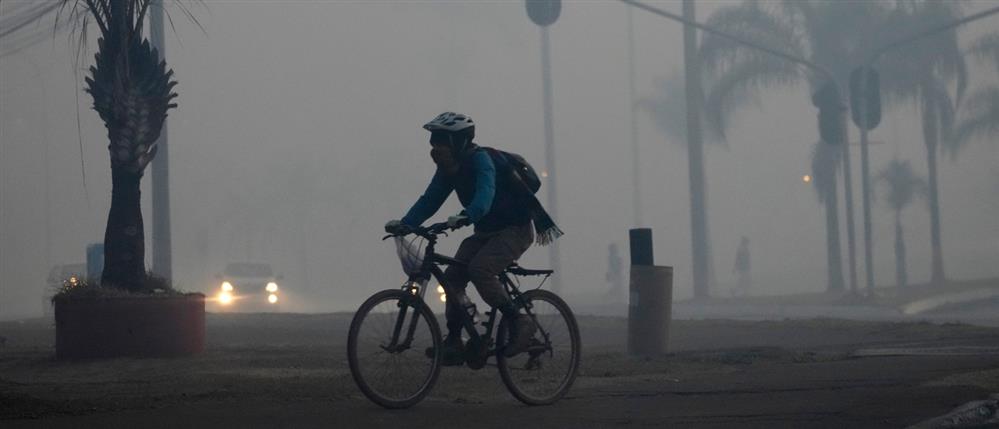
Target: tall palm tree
668, 110
926, 73
825, 163
836, 36
902, 187
979, 114
132, 92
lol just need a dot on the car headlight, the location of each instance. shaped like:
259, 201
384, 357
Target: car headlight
225, 298
272, 298
272, 287
226, 287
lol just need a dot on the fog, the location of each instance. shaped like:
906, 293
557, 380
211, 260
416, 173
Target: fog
298, 135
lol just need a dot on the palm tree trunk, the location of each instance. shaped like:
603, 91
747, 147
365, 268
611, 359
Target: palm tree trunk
901, 276
695, 157
124, 239
848, 200
931, 135
834, 259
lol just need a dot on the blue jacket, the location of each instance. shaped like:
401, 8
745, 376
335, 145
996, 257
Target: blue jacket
489, 203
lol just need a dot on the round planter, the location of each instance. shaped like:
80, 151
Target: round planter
130, 326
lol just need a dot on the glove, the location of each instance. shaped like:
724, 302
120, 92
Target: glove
393, 226
457, 221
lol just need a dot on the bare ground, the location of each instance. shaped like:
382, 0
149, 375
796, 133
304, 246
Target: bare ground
267, 370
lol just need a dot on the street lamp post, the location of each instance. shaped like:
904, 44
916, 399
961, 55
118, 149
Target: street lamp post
162, 249
695, 152
632, 95
544, 13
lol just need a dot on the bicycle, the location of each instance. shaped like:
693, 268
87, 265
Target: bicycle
394, 343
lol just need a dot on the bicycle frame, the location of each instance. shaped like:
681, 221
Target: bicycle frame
417, 286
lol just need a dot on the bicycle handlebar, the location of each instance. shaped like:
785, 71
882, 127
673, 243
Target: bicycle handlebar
429, 232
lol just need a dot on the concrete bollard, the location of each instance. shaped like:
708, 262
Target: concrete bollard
650, 299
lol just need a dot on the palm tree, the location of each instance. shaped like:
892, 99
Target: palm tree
825, 163
669, 112
837, 36
902, 187
132, 92
921, 74
979, 118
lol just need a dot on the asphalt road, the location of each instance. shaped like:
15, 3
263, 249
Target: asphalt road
289, 371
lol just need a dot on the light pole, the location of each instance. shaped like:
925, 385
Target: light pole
544, 13
695, 153
162, 250
632, 95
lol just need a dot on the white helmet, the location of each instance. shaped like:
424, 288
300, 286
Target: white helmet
450, 122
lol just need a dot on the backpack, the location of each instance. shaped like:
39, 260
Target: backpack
518, 165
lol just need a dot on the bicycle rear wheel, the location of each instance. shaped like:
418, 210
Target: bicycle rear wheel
391, 368
545, 372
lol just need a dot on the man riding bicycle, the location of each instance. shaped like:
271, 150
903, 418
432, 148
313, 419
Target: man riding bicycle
500, 207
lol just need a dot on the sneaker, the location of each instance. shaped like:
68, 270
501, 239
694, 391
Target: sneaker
521, 332
452, 351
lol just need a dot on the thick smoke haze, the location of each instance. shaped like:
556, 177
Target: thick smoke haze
298, 136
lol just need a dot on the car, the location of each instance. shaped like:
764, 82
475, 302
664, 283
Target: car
248, 286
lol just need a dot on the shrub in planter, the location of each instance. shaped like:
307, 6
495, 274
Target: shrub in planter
155, 321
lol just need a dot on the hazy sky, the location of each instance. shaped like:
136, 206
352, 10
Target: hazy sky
298, 136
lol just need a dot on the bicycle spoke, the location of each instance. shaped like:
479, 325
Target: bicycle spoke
543, 372
394, 373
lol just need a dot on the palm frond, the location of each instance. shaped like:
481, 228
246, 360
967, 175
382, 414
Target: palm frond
739, 85
935, 57
901, 184
668, 109
980, 119
19, 29
986, 49
750, 21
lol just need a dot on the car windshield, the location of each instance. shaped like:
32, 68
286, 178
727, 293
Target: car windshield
248, 270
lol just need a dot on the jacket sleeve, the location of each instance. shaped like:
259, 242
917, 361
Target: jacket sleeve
437, 192
485, 187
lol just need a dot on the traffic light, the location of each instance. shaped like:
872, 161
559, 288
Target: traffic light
865, 97
831, 111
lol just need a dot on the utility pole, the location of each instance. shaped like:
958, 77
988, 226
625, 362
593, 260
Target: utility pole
632, 95
544, 13
162, 250
695, 152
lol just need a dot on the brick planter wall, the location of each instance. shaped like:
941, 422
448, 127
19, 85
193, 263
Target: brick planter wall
134, 326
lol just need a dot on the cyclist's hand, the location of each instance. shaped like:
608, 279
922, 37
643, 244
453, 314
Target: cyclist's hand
458, 221
396, 227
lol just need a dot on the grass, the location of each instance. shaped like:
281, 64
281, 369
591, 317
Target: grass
80, 288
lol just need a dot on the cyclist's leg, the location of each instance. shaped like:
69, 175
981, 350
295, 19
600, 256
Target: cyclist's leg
499, 251
456, 279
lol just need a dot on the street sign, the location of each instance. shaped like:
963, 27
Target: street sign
543, 12
865, 97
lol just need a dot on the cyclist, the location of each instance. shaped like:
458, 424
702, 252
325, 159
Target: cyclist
502, 213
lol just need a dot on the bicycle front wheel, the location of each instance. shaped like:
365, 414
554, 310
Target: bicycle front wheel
544, 373
394, 349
